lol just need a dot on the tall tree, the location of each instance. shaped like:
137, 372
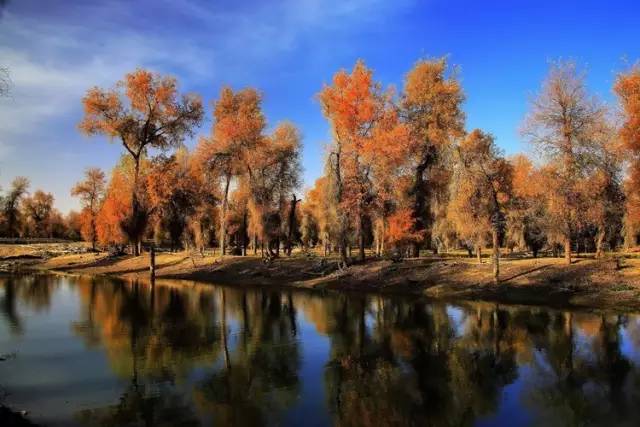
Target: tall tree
627, 88
363, 120
237, 131
91, 192
482, 188
11, 205
561, 123
274, 173
142, 111
431, 106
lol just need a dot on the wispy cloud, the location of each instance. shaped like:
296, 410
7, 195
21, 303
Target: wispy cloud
57, 50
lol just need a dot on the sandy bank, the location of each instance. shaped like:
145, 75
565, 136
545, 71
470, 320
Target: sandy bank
547, 281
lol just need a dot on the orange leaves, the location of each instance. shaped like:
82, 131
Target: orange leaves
103, 113
401, 229
627, 87
352, 103
115, 210
148, 113
431, 104
239, 121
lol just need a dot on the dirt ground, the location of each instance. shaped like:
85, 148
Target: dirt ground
585, 283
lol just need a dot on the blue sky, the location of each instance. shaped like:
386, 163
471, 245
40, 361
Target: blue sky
56, 50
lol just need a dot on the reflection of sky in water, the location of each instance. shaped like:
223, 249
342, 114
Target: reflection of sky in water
457, 316
510, 410
630, 334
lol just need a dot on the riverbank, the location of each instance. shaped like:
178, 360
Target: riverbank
546, 281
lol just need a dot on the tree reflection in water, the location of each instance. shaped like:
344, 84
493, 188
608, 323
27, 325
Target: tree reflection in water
187, 354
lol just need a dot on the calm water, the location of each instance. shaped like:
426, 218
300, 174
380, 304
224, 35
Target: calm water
88, 351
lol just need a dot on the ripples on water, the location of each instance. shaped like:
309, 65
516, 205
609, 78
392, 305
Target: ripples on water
97, 351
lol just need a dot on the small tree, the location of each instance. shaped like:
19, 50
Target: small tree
91, 192
37, 212
11, 205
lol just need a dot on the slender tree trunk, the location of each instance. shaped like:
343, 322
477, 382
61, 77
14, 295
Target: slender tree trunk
292, 224
135, 208
567, 249
496, 256
599, 242
479, 253
361, 255
223, 216
245, 235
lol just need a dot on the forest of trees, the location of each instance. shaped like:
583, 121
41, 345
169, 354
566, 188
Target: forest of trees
402, 173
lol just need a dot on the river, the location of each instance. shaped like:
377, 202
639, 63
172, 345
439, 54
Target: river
100, 351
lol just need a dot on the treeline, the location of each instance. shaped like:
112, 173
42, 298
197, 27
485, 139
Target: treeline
23, 214
401, 172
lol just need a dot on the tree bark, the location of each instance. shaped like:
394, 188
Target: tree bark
496, 256
599, 241
361, 255
567, 250
223, 216
245, 235
292, 224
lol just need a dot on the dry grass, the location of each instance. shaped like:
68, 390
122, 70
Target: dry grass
587, 282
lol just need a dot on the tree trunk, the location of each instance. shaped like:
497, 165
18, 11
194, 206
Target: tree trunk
245, 235
415, 250
292, 224
135, 206
567, 250
223, 216
496, 256
419, 206
599, 241
361, 255
479, 253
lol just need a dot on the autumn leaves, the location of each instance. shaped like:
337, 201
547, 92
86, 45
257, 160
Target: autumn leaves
401, 172
239, 178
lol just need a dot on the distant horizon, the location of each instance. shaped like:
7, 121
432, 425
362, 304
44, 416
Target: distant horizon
287, 50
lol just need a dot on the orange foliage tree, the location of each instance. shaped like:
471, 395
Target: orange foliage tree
526, 217
431, 106
627, 88
237, 130
564, 123
111, 223
482, 189
142, 111
362, 119
90, 191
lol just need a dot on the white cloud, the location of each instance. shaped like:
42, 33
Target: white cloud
55, 56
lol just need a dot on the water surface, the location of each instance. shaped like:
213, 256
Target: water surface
97, 351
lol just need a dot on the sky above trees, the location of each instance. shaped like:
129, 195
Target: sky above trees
55, 51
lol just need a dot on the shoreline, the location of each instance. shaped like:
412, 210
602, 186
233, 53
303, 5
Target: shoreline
587, 283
